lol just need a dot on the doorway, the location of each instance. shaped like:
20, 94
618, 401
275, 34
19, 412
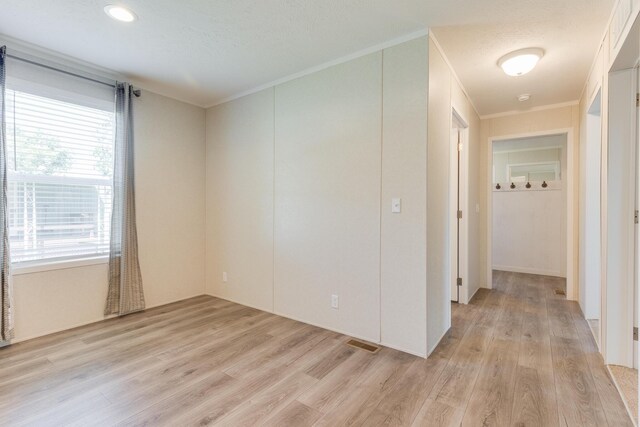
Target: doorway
620, 260
530, 205
458, 206
590, 241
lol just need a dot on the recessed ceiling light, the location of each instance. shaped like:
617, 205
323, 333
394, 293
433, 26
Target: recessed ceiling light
521, 61
524, 97
120, 13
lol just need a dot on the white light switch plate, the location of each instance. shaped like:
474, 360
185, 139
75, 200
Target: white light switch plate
396, 205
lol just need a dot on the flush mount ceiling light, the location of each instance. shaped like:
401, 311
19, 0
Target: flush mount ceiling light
524, 97
120, 13
521, 61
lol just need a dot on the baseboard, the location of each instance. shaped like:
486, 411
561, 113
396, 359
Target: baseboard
404, 350
437, 343
336, 330
624, 400
91, 322
474, 294
528, 270
265, 309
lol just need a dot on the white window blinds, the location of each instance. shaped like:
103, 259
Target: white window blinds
60, 168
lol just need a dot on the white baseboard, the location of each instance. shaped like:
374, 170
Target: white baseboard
438, 342
528, 270
318, 325
621, 393
100, 318
474, 293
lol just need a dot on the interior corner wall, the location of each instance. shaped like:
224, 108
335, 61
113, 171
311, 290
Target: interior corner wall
239, 200
567, 117
170, 177
299, 180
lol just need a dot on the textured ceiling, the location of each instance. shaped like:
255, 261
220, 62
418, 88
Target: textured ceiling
203, 51
568, 31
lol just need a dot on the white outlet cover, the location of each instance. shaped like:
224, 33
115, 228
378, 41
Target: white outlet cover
396, 205
334, 301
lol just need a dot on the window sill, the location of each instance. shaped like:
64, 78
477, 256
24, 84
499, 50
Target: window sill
42, 266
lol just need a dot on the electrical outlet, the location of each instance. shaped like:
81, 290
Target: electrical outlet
396, 205
334, 301
224, 276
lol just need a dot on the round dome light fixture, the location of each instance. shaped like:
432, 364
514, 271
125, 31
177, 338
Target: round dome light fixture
520, 62
120, 13
524, 97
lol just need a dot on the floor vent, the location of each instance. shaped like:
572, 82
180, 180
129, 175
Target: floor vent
363, 345
560, 292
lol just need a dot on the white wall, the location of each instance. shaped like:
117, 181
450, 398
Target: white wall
529, 233
529, 225
404, 175
327, 197
239, 200
299, 181
170, 177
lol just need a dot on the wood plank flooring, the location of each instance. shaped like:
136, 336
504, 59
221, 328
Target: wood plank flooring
518, 355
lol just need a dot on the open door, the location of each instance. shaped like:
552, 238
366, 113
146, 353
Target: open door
458, 229
636, 276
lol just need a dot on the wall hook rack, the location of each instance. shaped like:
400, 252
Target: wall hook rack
528, 185
498, 186
544, 184
513, 186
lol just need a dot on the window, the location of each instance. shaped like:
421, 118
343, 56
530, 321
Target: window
59, 167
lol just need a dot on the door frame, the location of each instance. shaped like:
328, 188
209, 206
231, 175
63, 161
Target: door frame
584, 289
570, 223
458, 256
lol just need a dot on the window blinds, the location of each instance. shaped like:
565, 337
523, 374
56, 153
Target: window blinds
60, 169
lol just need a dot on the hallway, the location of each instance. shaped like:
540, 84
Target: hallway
530, 357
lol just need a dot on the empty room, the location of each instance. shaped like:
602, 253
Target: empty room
319, 213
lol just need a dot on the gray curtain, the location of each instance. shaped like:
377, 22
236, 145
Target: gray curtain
125, 293
6, 292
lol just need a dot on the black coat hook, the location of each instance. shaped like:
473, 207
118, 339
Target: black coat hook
513, 186
528, 185
498, 186
544, 184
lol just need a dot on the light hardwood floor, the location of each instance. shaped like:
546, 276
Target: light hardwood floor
517, 355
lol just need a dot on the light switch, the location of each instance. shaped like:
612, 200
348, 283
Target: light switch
477, 208
396, 205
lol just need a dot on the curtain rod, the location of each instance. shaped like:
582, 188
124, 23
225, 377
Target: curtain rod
136, 92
